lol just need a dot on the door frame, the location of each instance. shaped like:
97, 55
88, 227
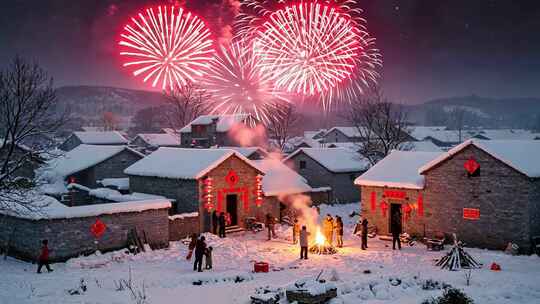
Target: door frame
235, 215
398, 208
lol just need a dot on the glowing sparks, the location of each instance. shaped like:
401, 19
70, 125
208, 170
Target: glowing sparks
320, 240
237, 86
167, 47
307, 48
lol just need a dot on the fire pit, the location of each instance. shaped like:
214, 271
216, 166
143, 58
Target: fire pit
322, 246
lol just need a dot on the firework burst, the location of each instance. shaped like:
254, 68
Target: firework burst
362, 68
237, 86
166, 46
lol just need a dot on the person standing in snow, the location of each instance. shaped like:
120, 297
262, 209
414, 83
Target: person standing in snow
208, 258
396, 231
200, 250
221, 224
339, 231
295, 231
364, 233
328, 228
304, 234
270, 225
358, 226
43, 259
214, 222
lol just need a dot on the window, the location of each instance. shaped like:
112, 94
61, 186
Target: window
302, 164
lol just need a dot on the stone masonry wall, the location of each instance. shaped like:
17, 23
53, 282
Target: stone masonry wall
414, 224
501, 193
182, 227
342, 184
185, 192
71, 237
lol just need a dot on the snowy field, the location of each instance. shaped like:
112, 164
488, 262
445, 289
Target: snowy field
395, 277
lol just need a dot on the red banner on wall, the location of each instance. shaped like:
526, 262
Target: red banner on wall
471, 213
395, 194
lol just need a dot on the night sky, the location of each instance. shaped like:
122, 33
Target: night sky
431, 48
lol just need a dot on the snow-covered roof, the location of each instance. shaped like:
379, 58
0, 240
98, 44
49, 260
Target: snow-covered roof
353, 146
180, 163
348, 131
398, 170
423, 146
522, 155
337, 160
224, 122
84, 157
120, 183
101, 138
53, 209
247, 151
159, 139
507, 134
279, 179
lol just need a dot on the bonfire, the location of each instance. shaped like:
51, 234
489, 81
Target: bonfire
322, 246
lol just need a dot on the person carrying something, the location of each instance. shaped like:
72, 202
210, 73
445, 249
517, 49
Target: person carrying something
200, 250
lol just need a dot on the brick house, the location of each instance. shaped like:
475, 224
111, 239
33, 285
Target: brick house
336, 168
212, 130
487, 192
109, 138
88, 164
183, 174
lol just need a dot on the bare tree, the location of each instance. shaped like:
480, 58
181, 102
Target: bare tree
27, 109
185, 103
457, 118
283, 118
381, 125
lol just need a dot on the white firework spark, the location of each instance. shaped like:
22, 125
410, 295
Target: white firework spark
237, 86
169, 47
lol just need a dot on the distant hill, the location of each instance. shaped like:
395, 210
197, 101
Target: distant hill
482, 111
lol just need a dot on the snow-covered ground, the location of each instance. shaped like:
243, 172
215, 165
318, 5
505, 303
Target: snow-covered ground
168, 277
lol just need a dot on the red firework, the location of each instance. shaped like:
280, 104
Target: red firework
169, 47
307, 48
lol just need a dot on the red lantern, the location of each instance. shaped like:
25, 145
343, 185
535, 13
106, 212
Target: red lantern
373, 201
420, 205
98, 228
384, 207
258, 191
471, 166
207, 194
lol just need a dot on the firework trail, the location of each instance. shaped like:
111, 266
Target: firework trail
237, 86
167, 47
256, 14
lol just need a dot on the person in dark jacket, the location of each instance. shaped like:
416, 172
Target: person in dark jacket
191, 246
396, 230
364, 233
221, 225
339, 231
215, 223
200, 250
270, 225
43, 259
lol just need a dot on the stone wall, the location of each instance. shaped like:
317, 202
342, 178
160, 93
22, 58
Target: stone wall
413, 224
342, 184
182, 227
184, 192
501, 193
71, 237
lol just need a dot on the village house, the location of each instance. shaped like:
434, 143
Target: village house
486, 192
109, 138
336, 168
87, 165
148, 142
252, 153
26, 160
212, 130
342, 134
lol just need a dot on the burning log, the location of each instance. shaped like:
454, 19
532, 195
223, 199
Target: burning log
322, 246
457, 258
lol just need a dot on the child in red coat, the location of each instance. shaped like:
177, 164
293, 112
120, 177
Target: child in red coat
43, 259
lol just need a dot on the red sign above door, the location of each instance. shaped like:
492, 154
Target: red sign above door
471, 213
